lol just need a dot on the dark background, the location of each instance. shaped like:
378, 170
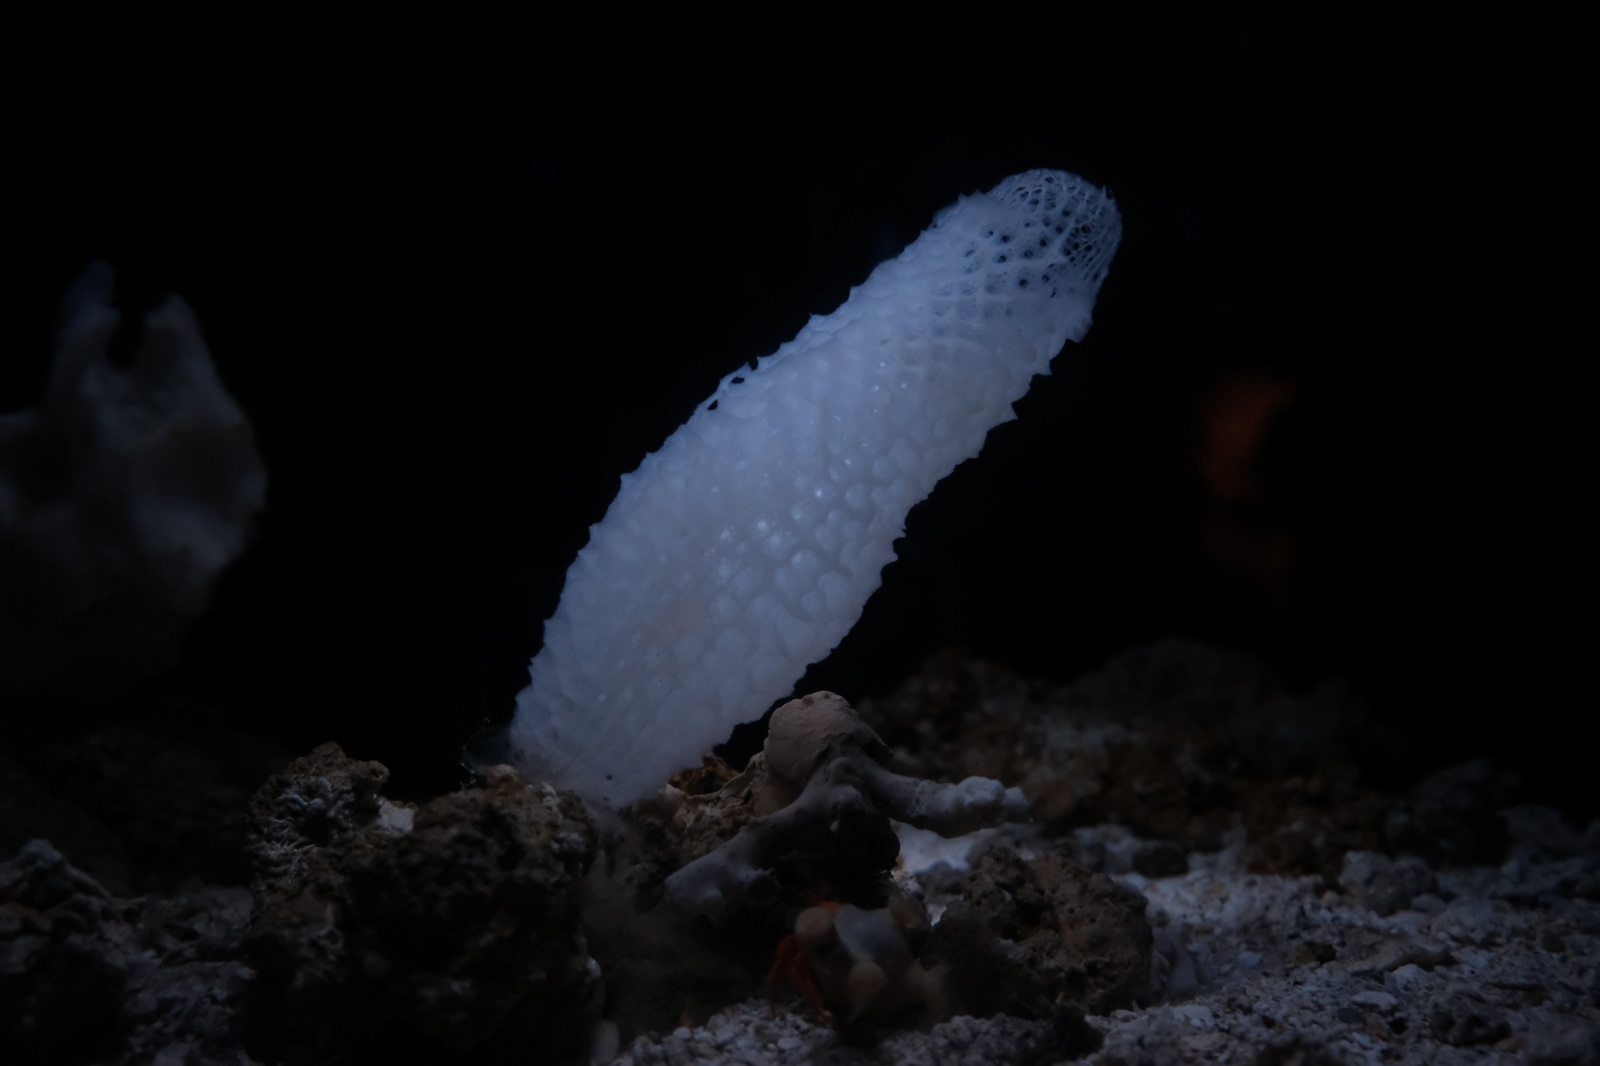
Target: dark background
1314, 418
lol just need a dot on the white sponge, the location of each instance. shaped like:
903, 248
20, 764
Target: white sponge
746, 548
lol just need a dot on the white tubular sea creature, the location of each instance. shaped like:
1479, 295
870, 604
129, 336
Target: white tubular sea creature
746, 547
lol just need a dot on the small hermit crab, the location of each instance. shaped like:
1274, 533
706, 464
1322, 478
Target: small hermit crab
853, 964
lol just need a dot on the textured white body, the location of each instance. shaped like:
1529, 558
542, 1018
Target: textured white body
746, 547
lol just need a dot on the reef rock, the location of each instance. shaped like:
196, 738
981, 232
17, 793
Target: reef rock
453, 926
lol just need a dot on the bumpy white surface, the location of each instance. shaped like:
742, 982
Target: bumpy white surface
746, 547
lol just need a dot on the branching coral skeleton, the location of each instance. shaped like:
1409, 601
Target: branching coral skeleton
828, 761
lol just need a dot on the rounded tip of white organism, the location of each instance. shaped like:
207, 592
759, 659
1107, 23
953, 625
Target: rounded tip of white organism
1082, 217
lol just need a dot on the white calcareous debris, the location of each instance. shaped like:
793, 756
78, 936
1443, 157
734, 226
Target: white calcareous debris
1280, 966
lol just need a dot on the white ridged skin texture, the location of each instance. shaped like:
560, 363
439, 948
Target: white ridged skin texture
746, 547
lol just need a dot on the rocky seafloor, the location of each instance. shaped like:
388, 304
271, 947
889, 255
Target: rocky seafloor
1207, 873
